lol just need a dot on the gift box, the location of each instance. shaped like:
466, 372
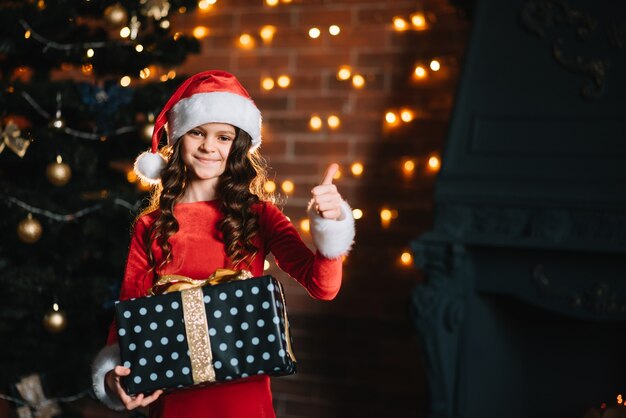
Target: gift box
205, 335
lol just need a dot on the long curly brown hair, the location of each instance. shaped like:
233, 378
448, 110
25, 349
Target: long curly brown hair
239, 187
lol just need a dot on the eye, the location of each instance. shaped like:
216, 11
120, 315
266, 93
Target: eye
196, 132
224, 138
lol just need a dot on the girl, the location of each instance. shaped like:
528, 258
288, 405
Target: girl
210, 212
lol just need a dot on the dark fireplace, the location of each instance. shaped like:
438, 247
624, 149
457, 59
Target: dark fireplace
523, 310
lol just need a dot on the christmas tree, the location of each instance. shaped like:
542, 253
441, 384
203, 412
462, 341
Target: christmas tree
80, 82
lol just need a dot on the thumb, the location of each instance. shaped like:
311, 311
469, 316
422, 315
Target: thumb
121, 371
330, 173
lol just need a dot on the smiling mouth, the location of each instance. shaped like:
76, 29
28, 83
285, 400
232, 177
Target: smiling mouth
207, 161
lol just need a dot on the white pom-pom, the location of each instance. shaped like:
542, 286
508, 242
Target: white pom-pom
148, 166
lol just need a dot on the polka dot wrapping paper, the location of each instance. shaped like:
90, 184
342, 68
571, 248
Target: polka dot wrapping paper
247, 331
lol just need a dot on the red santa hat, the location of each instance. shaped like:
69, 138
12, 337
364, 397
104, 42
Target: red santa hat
209, 96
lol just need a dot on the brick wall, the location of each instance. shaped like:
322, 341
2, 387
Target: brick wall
358, 355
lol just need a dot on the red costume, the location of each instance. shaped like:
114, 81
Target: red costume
197, 251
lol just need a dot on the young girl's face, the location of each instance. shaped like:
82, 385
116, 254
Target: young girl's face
205, 148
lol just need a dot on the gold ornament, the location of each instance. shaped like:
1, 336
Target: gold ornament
29, 230
58, 173
116, 15
55, 320
11, 137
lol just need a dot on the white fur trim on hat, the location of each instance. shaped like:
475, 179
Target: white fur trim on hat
105, 361
219, 107
333, 238
148, 166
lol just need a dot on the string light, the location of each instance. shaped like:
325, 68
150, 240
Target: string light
177, 36
266, 265
400, 24
406, 259
200, 32
357, 213
333, 121
267, 83
131, 176
315, 123
358, 81
305, 225
139, 48
408, 167
288, 186
391, 118
125, 81
267, 33
283, 81
145, 73
269, 186
271, 3
435, 65
27, 34
171, 74
144, 185
407, 115
385, 217
86, 68
125, 32
344, 72
434, 163
334, 30
165, 24
357, 169
204, 5
246, 41
90, 53
314, 33
418, 20
420, 71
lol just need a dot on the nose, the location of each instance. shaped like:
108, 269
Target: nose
208, 145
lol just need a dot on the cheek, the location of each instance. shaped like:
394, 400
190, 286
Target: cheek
225, 150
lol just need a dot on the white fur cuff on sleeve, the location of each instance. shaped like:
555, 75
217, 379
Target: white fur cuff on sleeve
333, 238
106, 360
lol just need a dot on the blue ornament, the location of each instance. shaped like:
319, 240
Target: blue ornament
105, 102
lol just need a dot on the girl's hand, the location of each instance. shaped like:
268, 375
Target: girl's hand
326, 199
113, 386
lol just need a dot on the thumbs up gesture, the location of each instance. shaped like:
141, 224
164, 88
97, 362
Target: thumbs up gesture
326, 199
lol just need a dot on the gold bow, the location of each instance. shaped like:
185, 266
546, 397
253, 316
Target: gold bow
31, 390
175, 283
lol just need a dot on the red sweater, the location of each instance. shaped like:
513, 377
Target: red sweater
197, 251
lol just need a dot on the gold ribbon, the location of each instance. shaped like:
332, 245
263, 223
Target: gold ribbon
198, 340
174, 283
